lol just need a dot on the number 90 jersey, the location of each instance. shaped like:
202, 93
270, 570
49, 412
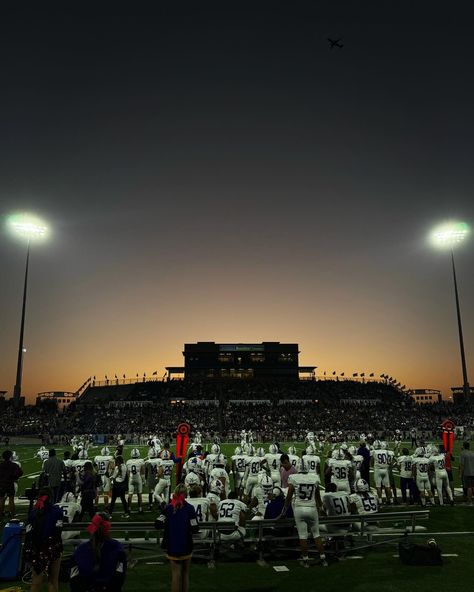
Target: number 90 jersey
305, 485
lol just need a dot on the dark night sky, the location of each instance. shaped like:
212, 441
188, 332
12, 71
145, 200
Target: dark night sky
215, 172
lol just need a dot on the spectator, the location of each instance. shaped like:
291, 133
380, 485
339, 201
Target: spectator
10, 472
179, 522
43, 546
119, 485
100, 564
286, 469
54, 469
466, 470
88, 490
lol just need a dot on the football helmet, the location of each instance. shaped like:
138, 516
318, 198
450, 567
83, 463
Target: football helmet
310, 449
238, 450
335, 453
14, 456
215, 449
352, 450
152, 453
341, 455
273, 449
361, 485
250, 450
193, 462
219, 461
105, 451
216, 486
135, 453
383, 445
310, 435
82, 454
260, 452
291, 450
68, 498
376, 444
165, 454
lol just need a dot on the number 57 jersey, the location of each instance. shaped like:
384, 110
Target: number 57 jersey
305, 485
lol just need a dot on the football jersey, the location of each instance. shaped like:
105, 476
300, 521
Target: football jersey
367, 504
336, 503
102, 464
79, 466
312, 462
357, 459
261, 492
42, 455
134, 466
201, 507
152, 465
405, 463
381, 458
254, 464
167, 466
220, 473
439, 463
273, 461
70, 510
240, 461
294, 460
421, 463
229, 510
305, 485
340, 469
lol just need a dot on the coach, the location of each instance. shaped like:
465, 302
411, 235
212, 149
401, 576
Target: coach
466, 470
10, 472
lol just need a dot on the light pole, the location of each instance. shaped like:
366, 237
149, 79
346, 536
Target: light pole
29, 228
449, 235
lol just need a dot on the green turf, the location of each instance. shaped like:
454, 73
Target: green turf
377, 571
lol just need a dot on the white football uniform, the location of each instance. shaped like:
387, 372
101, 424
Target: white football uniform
357, 459
422, 478
42, 455
337, 503
304, 504
191, 480
405, 464
135, 468
273, 461
381, 461
261, 493
294, 460
201, 507
312, 462
228, 511
151, 470
253, 465
239, 462
441, 476
365, 503
103, 469
163, 487
340, 470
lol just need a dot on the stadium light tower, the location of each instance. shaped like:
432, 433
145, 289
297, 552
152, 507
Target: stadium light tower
449, 236
30, 228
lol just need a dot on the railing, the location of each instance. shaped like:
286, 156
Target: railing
118, 381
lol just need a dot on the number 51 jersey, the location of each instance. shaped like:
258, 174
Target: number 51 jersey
305, 485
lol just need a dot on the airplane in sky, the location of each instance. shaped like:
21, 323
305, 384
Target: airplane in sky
335, 43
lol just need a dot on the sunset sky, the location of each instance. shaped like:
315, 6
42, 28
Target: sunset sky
214, 172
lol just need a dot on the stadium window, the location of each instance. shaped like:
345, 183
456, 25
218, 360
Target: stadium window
255, 357
286, 358
226, 358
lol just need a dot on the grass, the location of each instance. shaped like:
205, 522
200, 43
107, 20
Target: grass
378, 570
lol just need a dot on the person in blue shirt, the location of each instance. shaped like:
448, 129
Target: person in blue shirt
180, 522
99, 565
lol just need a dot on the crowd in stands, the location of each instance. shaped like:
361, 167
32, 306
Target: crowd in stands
281, 411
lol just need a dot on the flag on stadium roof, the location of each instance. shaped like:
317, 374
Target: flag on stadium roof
355, 374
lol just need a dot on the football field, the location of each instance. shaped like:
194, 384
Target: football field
377, 568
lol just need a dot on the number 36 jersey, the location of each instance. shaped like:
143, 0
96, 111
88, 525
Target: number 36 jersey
305, 485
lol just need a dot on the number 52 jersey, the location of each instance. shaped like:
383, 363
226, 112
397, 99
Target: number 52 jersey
305, 485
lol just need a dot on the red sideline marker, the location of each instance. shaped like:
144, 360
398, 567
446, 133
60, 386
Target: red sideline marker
181, 447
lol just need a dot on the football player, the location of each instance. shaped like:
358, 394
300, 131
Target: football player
79, 466
71, 513
441, 476
253, 466
232, 510
204, 508
339, 469
165, 471
380, 461
42, 454
404, 462
239, 460
273, 462
303, 494
336, 503
151, 474
294, 458
420, 466
219, 472
362, 501
104, 466
261, 494
312, 461
136, 469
